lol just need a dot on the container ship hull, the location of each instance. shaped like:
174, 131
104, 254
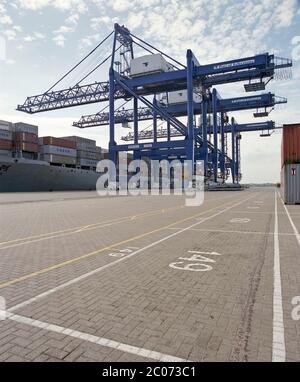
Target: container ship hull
24, 175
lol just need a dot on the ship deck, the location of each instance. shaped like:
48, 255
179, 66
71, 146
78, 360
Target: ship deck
89, 278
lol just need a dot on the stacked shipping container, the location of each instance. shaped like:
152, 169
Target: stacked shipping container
20, 140
88, 154
290, 161
6, 141
57, 150
25, 138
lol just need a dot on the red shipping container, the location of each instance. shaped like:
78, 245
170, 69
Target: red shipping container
26, 137
5, 145
290, 146
30, 147
58, 142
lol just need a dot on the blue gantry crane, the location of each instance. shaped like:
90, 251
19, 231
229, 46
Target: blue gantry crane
143, 80
123, 116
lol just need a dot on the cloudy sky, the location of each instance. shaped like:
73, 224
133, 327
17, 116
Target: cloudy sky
41, 39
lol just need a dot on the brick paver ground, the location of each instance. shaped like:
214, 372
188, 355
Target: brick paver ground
156, 299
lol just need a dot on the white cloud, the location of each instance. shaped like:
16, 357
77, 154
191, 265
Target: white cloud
35, 5
59, 40
63, 29
296, 72
285, 12
89, 40
39, 36
34, 37
215, 31
10, 34
5, 19
73, 19
2, 8
29, 38
96, 22
135, 20
122, 5
17, 28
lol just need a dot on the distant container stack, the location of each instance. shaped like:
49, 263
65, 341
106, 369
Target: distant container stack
290, 171
20, 140
88, 154
6, 139
58, 151
25, 138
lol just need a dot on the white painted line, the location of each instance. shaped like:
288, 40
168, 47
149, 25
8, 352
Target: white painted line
278, 351
291, 221
263, 212
240, 220
228, 231
111, 264
105, 342
253, 212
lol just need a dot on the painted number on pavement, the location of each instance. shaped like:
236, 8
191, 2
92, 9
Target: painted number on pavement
197, 262
123, 252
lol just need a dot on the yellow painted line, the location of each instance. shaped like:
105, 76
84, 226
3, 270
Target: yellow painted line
87, 255
79, 228
90, 227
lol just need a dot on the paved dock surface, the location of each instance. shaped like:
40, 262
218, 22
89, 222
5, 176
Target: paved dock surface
88, 278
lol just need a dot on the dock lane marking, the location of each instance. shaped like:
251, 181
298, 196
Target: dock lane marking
53, 234
97, 270
105, 342
291, 221
113, 246
240, 220
231, 231
72, 231
278, 347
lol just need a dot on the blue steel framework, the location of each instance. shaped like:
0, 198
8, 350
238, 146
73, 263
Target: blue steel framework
180, 110
257, 70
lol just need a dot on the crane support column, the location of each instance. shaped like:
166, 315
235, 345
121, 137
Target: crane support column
190, 107
112, 143
237, 163
112, 152
135, 121
154, 121
215, 132
233, 171
168, 131
135, 127
204, 132
222, 159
